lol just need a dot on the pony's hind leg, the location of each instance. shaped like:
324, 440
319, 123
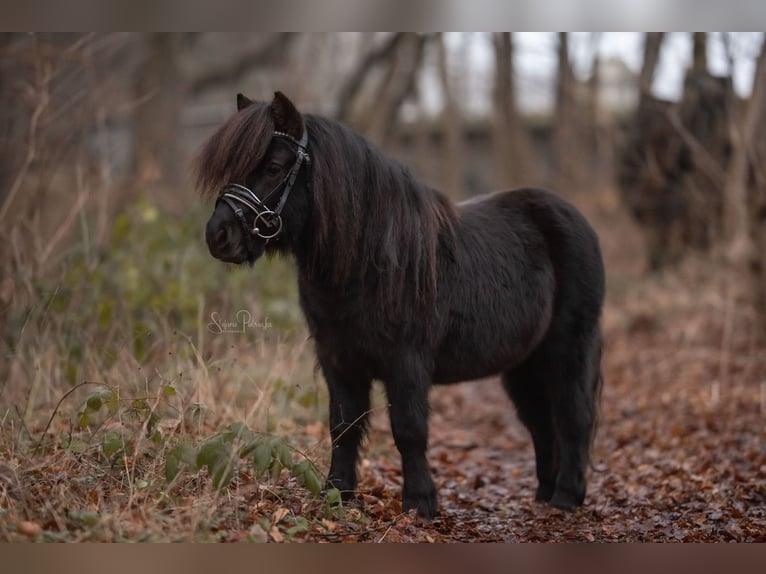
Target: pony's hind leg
555, 393
573, 388
527, 391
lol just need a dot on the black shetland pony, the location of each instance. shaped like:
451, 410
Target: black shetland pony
400, 285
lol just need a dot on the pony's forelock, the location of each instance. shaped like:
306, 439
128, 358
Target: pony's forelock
234, 150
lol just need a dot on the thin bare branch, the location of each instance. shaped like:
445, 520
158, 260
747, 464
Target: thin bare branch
233, 71
42, 95
357, 77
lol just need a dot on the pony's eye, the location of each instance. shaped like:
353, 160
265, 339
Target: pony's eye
273, 168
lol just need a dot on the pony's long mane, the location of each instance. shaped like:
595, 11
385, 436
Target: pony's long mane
374, 225
373, 217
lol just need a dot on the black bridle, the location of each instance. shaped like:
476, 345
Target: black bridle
267, 222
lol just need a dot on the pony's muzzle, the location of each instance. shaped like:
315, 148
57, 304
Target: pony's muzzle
224, 240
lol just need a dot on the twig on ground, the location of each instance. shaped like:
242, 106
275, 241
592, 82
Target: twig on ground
55, 410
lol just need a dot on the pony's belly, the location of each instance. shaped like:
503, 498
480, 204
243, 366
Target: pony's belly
449, 376
456, 362
483, 345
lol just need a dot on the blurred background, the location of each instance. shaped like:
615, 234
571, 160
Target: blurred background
654, 136
105, 278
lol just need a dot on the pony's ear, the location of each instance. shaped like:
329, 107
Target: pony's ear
286, 118
243, 101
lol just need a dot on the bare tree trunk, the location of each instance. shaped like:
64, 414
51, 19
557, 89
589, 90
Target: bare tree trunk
356, 80
12, 116
7, 118
753, 143
672, 168
699, 55
451, 120
652, 49
384, 79
594, 82
743, 129
506, 119
421, 139
157, 122
597, 129
735, 223
565, 128
512, 155
398, 85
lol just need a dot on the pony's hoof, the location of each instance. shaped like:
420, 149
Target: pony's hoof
347, 490
565, 501
544, 493
425, 505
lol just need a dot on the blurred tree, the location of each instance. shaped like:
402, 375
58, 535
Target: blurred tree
452, 125
163, 86
159, 91
593, 86
593, 129
596, 126
58, 93
514, 162
742, 132
652, 48
375, 56
273, 50
672, 167
566, 146
579, 129
28, 65
703, 123
12, 117
11, 126
383, 80
422, 139
755, 146
699, 51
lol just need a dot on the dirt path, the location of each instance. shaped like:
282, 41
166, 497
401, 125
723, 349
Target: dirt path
681, 450
669, 470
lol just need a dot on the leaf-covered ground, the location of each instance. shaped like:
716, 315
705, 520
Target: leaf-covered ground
680, 455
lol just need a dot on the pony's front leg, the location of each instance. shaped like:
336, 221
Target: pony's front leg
349, 407
407, 391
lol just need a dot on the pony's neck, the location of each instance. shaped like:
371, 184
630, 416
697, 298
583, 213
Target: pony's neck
373, 224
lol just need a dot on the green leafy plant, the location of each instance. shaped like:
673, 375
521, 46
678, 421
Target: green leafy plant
154, 275
220, 455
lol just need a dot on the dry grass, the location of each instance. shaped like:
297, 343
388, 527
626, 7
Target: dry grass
64, 480
70, 482
104, 293
130, 318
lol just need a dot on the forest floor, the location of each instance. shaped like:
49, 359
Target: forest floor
680, 454
681, 448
